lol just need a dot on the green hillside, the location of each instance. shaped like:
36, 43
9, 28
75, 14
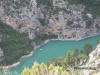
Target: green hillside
14, 44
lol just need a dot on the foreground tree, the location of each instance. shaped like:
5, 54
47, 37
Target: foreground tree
70, 59
76, 52
42, 69
88, 48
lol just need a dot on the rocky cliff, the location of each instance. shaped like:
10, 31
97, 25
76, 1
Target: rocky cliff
95, 57
57, 17
94, 62
48, 19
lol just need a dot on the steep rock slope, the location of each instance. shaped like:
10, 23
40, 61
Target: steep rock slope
50, 19
94, 62
56, 17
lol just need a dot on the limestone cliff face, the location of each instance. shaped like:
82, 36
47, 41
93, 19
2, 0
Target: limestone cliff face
94, 60
56, 17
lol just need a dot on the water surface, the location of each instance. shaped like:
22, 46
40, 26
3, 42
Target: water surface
54, 49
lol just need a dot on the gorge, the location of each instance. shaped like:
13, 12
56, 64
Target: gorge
49, 28
54, 49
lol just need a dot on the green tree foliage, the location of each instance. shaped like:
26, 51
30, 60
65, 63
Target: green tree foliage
98, 42
42, 37
61, 66
70, 60
56, 61
87, 48
82, 59
76, 52
42, 69
45, 2
14, 44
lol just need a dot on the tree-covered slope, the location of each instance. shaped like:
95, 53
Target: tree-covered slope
43, 20
13, 44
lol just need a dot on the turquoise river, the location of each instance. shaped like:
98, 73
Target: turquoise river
53, 49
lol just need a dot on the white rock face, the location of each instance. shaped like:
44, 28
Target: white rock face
94, 62
94, 57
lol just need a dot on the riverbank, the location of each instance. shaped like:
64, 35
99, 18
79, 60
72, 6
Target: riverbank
35, 48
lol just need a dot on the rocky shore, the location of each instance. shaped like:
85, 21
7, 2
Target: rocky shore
93, 63
36, 47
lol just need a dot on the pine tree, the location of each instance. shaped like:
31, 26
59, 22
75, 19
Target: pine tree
76, 52
87, 48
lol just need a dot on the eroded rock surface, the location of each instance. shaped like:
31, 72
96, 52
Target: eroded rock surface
56, 17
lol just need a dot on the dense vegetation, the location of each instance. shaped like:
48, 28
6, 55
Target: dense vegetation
91, 6
87, 49
45, 2
58, 66
43, 69
14, 44
40, 38
74, 58
70, 60
62, 66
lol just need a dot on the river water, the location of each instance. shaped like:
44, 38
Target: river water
54, 49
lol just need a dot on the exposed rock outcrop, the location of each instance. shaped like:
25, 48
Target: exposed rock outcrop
55, 16
94, 62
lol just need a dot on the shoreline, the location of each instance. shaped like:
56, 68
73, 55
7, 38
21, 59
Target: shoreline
36, 47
